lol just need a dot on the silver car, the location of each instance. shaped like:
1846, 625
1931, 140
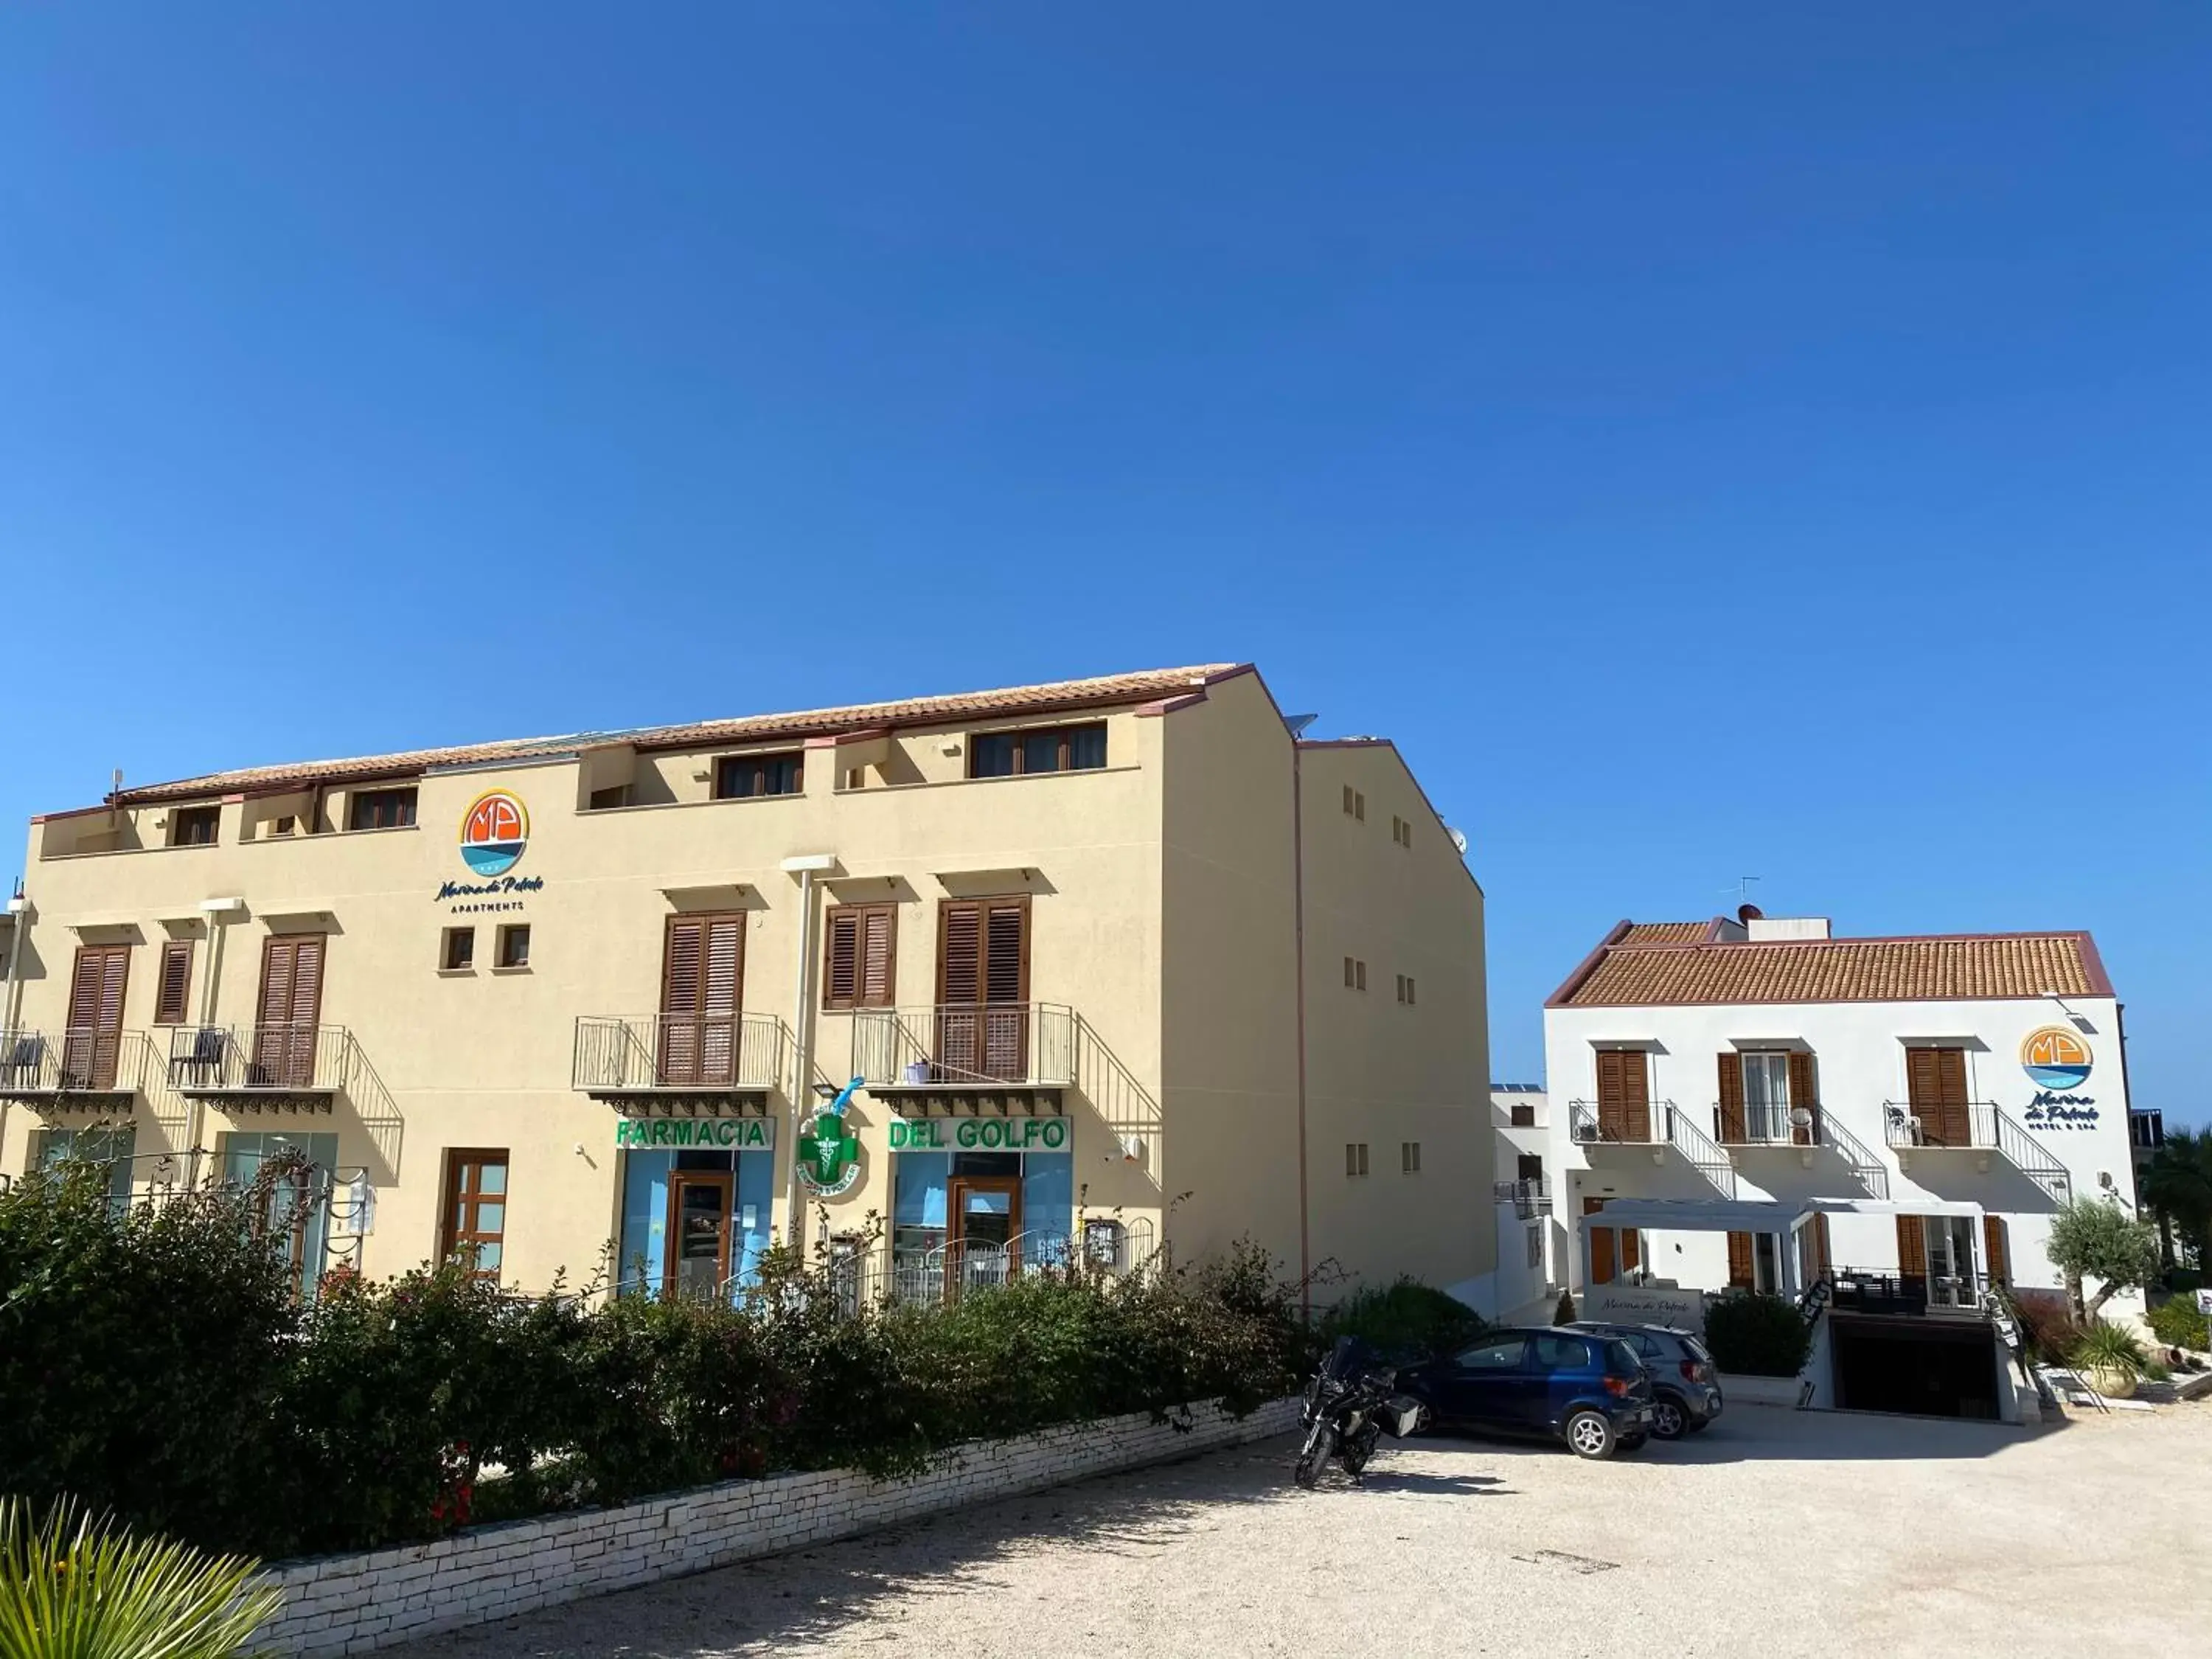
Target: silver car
1686, 1388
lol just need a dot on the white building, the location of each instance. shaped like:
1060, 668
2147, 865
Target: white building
1899, 1117
1531, 1239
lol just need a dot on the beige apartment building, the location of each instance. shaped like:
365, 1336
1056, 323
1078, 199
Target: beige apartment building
983, 980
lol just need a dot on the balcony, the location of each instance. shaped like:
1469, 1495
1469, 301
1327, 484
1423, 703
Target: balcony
1858, 1290
967, 1060
1809, 1129
683, 1065
1529, 1198
263, 1068
1661, 1127
1979, 1129
76, 1070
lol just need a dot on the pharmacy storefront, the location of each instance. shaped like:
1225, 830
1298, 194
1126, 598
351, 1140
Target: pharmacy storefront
975, 1200
698, 1196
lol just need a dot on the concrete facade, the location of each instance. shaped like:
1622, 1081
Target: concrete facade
1197, 1076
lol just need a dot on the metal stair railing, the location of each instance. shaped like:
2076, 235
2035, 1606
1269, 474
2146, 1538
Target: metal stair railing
1701, 1149
1864, 1164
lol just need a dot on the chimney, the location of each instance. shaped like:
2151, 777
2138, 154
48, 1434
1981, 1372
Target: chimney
1758, 927
1747, 913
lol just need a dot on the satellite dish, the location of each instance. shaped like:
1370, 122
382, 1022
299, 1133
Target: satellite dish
1458, 839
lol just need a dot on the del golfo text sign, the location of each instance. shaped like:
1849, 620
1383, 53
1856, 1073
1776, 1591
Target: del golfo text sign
980, 1135
718, 1134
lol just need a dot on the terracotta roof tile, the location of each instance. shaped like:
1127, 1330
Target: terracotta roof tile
1636, 971
1103, 691
1665, 932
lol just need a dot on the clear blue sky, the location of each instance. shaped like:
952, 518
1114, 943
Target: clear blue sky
1712, 440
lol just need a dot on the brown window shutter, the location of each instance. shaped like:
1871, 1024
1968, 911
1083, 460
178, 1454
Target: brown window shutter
1911, 1246
1997, 1247
1629, 1249
841, 958
1820, 1243
1739, 1249
1624, 1095
1601, 1270
1731, 1084
94, 1039
960, 955
721, 979
173, 995
878, 957
1801, 1093
681, 998
1006, 951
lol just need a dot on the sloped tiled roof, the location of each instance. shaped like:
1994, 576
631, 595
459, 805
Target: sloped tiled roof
1058, 695
1639, 968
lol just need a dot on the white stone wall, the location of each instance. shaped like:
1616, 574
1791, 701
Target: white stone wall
353, 1603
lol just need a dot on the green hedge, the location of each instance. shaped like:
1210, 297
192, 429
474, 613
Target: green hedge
1408, 1321
153, 1365
1754, 1334
2177, 1323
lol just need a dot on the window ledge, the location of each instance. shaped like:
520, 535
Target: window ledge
372, 830
518, 968
1006, 777
457, 973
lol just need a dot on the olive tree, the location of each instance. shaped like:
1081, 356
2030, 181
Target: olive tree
2092, 1239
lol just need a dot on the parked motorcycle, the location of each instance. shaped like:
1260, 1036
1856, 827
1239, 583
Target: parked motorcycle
1353, 1401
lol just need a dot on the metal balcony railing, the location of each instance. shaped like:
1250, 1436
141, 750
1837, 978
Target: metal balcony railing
248, 1060
677, 1052
82, 1060
951, 1045
1977, 1125
1663, 1126
1779, 1126
1858, 1290
1529, 1198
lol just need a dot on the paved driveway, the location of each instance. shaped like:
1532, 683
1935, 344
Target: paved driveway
1776, 1532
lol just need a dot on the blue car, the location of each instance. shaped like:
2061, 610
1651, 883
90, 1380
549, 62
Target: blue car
1584, 1389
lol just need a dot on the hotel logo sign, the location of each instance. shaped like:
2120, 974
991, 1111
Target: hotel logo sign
495, 831
2058, 1061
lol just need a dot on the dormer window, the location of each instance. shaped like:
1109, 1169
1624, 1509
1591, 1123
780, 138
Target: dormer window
194, 826
1054, 749
738, 777
380, 808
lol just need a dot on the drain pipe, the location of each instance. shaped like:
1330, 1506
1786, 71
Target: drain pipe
212, 910
19, 918
806, 867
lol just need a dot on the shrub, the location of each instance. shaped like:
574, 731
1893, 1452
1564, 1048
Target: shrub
73, 1585
1407, 1322
2177, 1323
2046, 1324
1565, 1313
2109, 1347
154, 1363
143, 1356
1755, 1334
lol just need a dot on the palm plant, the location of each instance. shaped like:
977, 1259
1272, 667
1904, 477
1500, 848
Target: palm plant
75, 1586
2105, 1346
2176, 1187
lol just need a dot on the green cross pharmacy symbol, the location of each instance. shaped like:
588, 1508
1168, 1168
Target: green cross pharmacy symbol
828, 1150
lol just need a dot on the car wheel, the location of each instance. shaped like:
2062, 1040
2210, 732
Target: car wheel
1590, 1435
1633, 1442
1669, 1420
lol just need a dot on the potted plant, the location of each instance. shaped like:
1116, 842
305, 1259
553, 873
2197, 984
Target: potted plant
2114, 1360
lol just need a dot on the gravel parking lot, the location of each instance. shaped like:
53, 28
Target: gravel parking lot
1776, 1532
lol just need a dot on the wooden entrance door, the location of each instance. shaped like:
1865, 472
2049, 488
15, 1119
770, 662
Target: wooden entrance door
983, 1215
1936, 1085
698, 1260
1624, 1095
983, 990
701, 983
284, 1026
94, 1039
1602, 1269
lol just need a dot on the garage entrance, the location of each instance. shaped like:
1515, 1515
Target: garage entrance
1927, 1367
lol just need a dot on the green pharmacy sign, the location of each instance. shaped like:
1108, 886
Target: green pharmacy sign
722, 1134
829, 1154
970, 1135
